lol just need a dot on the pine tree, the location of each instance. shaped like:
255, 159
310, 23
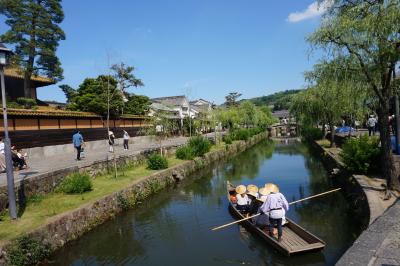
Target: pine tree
35, 34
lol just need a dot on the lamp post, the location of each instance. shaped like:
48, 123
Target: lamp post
4, 55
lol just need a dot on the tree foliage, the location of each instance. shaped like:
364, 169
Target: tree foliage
332, 95
278, 101
92, 95
231, 98
367, 34
35, 33
136, 104
244, 115
124, 77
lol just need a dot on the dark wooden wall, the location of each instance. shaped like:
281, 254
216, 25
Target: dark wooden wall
38, 138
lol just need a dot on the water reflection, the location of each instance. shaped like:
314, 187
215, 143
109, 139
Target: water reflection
173, 227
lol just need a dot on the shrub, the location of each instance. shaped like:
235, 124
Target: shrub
76, 183
360, 155
199, 145
157, 162
241, 134
27, 251
311, 133
27, 103
227, 139
184, 153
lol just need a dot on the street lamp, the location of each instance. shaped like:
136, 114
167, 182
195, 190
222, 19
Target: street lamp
4, 56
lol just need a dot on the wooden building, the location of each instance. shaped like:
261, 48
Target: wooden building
14, 81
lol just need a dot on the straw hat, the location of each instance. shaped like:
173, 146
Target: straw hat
264, 191
272, 188
252, 188
240, 189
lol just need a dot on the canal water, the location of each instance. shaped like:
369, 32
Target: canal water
173, 227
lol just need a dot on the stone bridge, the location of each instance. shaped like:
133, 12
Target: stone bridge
283, 130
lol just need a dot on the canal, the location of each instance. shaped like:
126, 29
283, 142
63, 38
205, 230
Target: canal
173, 227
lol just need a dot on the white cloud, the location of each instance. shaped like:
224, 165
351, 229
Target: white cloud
313, 10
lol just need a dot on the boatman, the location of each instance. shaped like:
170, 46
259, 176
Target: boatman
276, 204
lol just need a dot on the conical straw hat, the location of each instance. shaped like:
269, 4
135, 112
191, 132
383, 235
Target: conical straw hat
252, 188
272, 187
264, 191
240, 189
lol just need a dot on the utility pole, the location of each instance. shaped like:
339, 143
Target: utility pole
12, 206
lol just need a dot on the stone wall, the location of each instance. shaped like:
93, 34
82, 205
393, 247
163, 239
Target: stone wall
71, 225
354, 192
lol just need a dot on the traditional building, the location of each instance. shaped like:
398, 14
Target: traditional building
14, 80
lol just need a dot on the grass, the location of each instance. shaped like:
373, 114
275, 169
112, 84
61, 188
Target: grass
42, 209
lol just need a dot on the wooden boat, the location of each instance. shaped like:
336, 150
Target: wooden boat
295, 239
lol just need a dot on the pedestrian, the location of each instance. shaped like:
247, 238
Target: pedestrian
371, 123
111, 140
276, 205
126, 140
1, 146
77, 140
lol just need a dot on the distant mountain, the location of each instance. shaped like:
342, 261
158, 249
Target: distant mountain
277, 101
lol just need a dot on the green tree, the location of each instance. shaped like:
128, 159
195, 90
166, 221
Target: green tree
231, 98
124, 77
93, 94
69, 92
335, 92
35, 33
247, 114
137, 104
367, 32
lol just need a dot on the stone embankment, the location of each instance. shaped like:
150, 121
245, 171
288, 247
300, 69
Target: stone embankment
379, 244
49, 165
69, 226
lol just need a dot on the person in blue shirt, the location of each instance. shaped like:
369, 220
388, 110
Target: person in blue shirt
77, 139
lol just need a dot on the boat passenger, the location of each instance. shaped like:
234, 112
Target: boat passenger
275, 205
254, 189
242, 199
262, 221
263, 192
232, 196
252, 193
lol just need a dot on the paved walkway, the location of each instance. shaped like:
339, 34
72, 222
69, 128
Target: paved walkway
379, 244
50, 164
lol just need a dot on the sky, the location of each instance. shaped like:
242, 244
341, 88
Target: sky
201, 49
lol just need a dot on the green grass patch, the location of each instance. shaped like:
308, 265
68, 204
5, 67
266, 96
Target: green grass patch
42, 208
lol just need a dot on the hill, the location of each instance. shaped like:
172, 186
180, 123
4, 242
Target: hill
277, 101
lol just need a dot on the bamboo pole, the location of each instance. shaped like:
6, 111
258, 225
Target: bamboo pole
293, 202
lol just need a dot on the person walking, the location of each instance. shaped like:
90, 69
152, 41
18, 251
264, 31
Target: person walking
111, 140
276, 205
126, 141
77, 140
371, 123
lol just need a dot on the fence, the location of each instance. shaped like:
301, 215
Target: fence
29, 128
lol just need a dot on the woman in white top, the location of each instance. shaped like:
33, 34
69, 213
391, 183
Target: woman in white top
242, 199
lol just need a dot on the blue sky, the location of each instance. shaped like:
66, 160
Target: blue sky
204, 49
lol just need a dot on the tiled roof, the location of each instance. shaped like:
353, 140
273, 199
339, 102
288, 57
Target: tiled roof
161, 107
134, 116
16, 73
49, 113
179, 100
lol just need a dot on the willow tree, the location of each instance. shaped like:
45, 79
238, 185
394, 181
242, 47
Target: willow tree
35, 33
368, 32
